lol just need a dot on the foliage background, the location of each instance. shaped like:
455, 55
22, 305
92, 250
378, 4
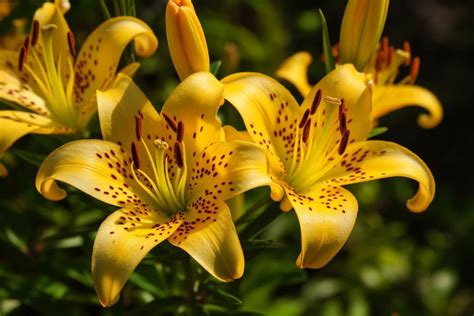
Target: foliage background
395, 263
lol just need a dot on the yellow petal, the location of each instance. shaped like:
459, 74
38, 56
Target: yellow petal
372, 160
269, 111
388, 98
96, 167
226, 169
326, 215
120, 245
232, 134
216, 247
195, 102
294, 69
102, 50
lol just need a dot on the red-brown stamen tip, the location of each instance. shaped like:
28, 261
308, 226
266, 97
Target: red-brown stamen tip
407, 48
304, 119
71, 41
415, 69
178, 155
26, 43
170, 121
180, 132
343, 143
306, 130
342, 108
35, 33
316, 102
135, 156
138, 127
343, 123
21, 58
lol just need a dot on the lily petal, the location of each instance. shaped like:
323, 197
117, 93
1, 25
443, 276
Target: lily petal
372, 160
216, 247
202, 93
120, 245
388, 98
294, 69
326, 215
102, 50
96, 167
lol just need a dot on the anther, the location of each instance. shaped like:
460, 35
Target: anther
385, 47
407, 48
22, 58
342, 108
72, 44
180, 132
26, 43
170, 121
306, 130
415, 69
304, 119
135, 156
343, 143
316, 102
178, 155
35, 33
343, 123
138, 127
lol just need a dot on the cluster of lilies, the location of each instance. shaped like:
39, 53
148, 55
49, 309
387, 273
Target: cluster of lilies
170, 173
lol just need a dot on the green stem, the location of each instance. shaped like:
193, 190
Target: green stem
105, 10
270, 213
192, 285
250, 213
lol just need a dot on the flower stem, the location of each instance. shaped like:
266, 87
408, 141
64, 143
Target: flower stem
270, 213
192, 285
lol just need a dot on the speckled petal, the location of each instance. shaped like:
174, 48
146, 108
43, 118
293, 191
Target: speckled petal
97, 61
195, 103
326, 215
96, 167
216, 247
372, 160
294, 69
389, 98
122, 241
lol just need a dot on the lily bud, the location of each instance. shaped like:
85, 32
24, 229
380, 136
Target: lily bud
361, 29
186, 41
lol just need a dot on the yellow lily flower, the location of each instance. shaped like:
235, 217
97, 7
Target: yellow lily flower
54, 83
316, 148
360, 32
186, 40
170, 175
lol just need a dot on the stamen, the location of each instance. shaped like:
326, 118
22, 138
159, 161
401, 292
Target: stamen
343, 123
343, 143
415, 69
342, 108
180, 132
35, 33
304, 119
138, 127
391, 55
316, 102
22, 58
171, 122
178, 155
385, 48
135, 156
306, 131
71, 41
26, 43
407, 48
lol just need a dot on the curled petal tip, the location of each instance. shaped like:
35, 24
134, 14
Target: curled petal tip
50, 190
430, 120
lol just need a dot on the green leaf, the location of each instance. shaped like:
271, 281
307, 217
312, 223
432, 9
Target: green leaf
328, 57
377, 131
29, 157
215, 66
224, 296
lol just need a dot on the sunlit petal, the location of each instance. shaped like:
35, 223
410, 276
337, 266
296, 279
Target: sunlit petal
294, 69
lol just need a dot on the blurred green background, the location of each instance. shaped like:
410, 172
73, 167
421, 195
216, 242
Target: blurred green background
395, 262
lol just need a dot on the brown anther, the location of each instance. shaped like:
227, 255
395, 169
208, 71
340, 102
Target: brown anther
135, 156
138, 127
170, 121
35, 33
22, 58
71, 41
26, 43
415, 69
178, 155
343, 143
391, 55
343, 123
316, 102
306, 131
180, 132
342, 107
407, 48
304, 119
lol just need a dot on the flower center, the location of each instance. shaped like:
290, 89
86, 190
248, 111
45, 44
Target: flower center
51, 70
162, 174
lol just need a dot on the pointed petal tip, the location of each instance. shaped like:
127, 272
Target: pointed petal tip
106, 303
